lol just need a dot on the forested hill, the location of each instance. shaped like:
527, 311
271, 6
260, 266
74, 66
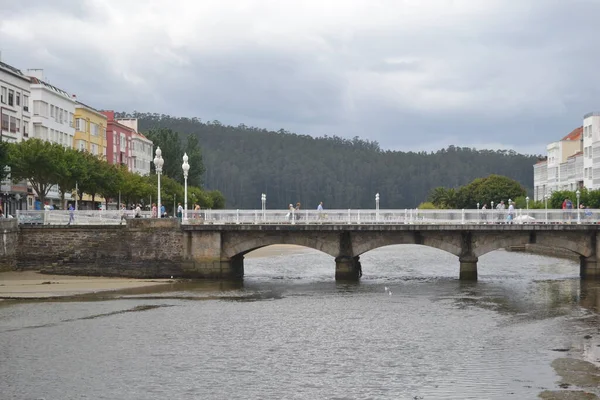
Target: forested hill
243, 162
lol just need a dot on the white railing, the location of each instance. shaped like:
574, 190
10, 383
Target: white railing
402, 216
78, 217
312, 217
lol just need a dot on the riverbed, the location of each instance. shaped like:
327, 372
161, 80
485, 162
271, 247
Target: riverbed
408, 330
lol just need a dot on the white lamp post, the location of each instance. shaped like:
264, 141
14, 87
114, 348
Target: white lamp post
546, 206
158, 164
186, 168
527, 202
263, 202
377, 207
578, 194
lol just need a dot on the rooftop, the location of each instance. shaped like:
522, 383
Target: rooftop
13, 70
592, 114
574, 135
36, 81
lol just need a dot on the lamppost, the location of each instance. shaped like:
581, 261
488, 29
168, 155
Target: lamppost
377, 207
158, 164
578, 194
263, 201
186, 168
527, 202
546, 206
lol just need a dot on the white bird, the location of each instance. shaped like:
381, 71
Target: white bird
385, 288
171, 276
390, 292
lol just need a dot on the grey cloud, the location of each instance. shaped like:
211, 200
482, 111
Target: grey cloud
523, 77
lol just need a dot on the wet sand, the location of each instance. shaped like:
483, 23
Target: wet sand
31, 284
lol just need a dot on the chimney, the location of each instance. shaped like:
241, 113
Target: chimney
74, 96
110, 114
36, 73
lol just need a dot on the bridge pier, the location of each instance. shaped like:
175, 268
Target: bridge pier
347, 268
468, 268
589, 268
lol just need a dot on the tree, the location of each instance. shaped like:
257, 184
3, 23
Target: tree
492, 188
195, 159
170, 145
69, 170
36, 161
4, 160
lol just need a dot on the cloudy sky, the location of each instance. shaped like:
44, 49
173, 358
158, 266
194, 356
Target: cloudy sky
410, 74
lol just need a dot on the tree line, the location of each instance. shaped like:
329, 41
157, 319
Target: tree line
44, 164
243, 162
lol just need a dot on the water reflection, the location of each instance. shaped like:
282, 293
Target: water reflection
289, 330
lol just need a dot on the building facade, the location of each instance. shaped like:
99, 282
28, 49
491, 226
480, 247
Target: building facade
90, 130
569, 162
53, 118
15, 125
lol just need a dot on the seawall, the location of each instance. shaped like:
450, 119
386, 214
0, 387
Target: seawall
143, 248
545, 251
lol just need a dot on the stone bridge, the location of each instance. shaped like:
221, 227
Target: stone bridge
217, 251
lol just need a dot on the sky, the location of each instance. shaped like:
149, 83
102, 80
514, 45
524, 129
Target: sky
410, 74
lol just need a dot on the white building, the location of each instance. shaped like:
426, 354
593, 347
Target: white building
15, 126
591, 150
14, 104
52, 119
53, 110
565, 166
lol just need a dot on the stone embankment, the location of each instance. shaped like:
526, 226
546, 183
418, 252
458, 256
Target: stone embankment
545, 251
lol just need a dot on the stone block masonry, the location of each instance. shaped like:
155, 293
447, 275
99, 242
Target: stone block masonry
9, 230
144, 248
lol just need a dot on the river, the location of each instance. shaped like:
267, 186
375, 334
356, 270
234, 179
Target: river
409, 330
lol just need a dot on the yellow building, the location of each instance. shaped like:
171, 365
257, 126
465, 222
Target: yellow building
90, 136
90, 131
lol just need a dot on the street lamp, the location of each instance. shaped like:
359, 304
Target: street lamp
158, 164
377, 207
186, 168
546, 206
263, 201
578, 194
527, 202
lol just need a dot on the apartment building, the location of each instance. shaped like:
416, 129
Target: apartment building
90, 130
53, 111
569, 163
15, 124
140, 149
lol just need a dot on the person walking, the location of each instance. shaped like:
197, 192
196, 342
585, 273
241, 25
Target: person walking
154, 210
71, 214
163, 212
320, 210
179, 212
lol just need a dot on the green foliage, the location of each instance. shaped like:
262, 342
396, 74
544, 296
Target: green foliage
36, 161
243, 162
172, 152
217, 199
195, 160
4, 159
427, 206
481, 190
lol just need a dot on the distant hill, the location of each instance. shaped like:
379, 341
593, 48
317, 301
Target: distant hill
243, 162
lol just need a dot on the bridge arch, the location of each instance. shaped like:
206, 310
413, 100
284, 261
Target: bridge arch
239, 245
572, 241
365, 243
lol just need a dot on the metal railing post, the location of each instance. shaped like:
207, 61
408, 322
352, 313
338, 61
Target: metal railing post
237, 216
462, 214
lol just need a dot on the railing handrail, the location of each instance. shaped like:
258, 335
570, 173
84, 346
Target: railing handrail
333, 216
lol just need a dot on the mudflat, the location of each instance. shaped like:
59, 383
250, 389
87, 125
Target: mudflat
31, 284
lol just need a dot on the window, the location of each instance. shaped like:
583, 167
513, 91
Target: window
94, 149
3, 96
81, 145
13, 124
18, 125
71, 120
5, 122
51, 111
60, 116
25, 103
25, 129
11, 95
94, 129
18, 99
80, 125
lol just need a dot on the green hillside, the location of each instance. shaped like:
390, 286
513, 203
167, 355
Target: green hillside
243, 162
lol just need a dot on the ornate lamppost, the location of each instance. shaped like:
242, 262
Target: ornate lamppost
158, 164
186, 168
578, 194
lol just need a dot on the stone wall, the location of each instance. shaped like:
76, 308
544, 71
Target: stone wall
144, 248
8, 243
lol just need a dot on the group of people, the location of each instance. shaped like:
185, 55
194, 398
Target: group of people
294, 212
501, 207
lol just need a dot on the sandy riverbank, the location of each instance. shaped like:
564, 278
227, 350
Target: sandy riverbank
31, 284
